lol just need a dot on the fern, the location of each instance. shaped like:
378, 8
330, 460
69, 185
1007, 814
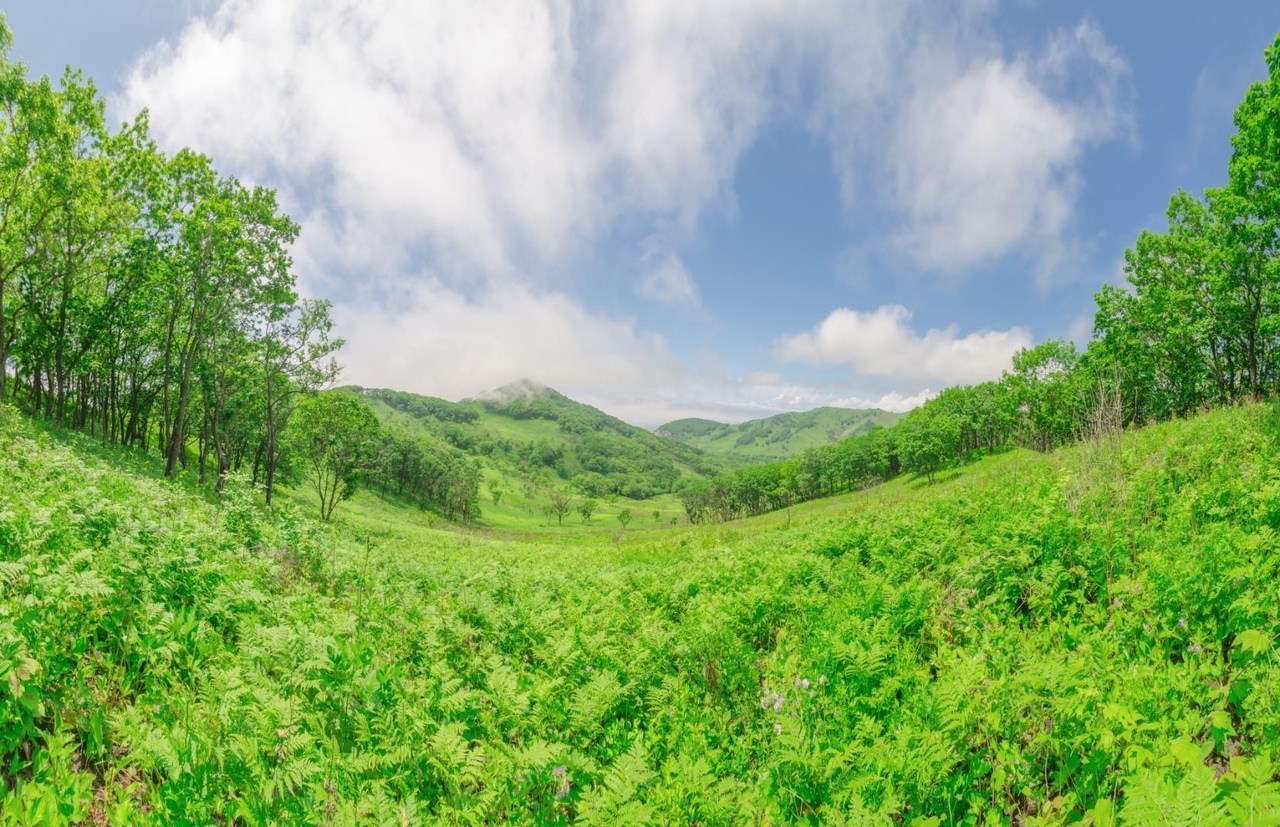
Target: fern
616, 799
1253, 796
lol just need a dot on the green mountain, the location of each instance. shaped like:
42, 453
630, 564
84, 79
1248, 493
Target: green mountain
526, 436
776, 437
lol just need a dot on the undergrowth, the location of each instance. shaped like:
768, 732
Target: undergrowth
1083, 637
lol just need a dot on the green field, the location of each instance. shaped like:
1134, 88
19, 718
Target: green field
1035, 639
778, 437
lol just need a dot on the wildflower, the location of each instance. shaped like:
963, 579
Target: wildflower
822, 680
1194, 648
562, 774
588, 667
1182, 622
777, 729
773, 699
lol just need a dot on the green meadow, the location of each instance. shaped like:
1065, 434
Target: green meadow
1086, 635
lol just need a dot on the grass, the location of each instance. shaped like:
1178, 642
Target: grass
1087, 635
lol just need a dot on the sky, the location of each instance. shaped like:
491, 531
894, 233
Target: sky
670, 208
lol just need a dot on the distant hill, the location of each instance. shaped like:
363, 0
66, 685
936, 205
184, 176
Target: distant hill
525, 433
776, 437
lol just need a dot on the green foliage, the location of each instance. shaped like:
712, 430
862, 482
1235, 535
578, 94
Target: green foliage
1080, 635
778, 437
927, 439
975, 651
333, 435
145, 298
528, 433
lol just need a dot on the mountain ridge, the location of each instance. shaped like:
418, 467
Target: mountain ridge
776, 437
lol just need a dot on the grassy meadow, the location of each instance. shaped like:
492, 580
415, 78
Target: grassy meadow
1080, 637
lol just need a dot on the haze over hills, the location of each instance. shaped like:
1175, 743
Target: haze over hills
776, 437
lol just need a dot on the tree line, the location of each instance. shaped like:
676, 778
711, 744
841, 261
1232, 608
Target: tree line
1196, 325
146, 298
151, 301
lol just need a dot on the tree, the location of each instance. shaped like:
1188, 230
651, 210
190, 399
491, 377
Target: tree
586, 508
1049, 392
624, 517
927, 440
332, 434
495, 492
558, 506
294, 356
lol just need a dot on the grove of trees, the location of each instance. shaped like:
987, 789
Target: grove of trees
151, 301
146, 298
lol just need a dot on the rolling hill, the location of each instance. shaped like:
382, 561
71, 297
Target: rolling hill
529, 438
776, 437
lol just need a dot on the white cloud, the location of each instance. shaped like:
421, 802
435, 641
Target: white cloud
881, 342
501, 137
670, 283
492, 145
892, 401
437, 341
496, 134
978, 152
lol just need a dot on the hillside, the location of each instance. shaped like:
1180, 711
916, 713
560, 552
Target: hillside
1035, 639
529, 438
776, 437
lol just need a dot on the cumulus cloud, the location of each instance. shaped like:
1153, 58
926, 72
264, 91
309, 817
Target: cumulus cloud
436, 340
490, 146
500, 135
891, 401
495, 134
882, 342
988, 156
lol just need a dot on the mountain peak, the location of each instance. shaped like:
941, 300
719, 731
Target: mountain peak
521, 389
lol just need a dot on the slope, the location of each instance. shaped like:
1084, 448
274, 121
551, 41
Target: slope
531, 440
1037, 638
776, 437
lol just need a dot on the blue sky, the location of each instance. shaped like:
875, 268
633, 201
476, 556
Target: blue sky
675, 208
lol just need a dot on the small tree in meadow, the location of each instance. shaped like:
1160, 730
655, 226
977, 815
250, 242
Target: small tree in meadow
333, 434
624, 517
586, 508
558, 506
